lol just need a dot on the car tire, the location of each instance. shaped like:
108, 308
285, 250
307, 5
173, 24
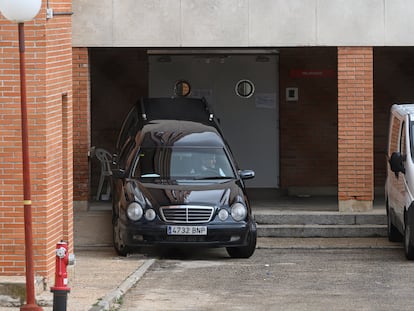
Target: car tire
245, 251
119, 245
393, 234
408, 238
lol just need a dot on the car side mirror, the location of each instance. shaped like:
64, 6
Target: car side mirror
397, 163
118, 173
246, 174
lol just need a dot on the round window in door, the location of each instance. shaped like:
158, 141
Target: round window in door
245, 88
182, 88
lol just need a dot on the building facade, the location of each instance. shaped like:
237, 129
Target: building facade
340, 65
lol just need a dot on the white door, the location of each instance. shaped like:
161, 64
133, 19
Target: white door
243, 92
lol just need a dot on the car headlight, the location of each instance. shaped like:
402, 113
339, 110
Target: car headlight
134, 211
238, 212
150, 214
223, 214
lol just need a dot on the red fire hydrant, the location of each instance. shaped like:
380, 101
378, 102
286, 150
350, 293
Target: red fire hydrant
60, 290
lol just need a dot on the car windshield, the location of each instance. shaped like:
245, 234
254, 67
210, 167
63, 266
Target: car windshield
177, 163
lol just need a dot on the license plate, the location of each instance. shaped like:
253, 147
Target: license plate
187, 230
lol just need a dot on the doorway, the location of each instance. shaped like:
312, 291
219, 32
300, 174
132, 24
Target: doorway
242, 89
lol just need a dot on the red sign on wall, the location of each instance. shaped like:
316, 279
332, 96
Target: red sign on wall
311, 73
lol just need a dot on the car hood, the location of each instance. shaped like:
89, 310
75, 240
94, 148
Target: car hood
165, 194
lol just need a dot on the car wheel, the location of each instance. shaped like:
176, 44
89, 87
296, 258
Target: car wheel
393, 234
408, 240
119, 244
244, 251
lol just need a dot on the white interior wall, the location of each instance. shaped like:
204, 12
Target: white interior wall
250, 125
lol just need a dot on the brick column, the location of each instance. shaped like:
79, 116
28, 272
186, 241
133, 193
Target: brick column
355, 128
81, 134
49, 99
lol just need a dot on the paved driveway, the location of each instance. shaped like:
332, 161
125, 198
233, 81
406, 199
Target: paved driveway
361, 276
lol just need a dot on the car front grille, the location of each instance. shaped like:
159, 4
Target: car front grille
186, 214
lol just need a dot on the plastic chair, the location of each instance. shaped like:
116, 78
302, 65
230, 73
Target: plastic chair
105, 158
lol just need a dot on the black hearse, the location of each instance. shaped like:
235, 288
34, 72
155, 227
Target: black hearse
175, 181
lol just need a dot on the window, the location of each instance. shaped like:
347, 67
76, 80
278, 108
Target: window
183, 163
403, 148
244, 88
412, 139
182, 88
395, 135
130, 122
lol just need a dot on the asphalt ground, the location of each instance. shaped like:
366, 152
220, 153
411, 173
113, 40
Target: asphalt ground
293, 275
100, 278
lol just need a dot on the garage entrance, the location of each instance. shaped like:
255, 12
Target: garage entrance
279, 119
242, 89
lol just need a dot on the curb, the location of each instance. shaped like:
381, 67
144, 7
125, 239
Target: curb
112, 297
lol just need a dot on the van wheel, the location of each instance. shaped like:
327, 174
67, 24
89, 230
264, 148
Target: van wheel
119, 244
244, 251
408, 239
393, 234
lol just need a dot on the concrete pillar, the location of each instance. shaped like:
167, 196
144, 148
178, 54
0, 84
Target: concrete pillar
355, 129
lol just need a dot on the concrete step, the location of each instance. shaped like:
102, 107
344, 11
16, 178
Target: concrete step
319, 218
320, 224
325, 231
94, 228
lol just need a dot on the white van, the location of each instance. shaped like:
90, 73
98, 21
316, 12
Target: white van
399, 186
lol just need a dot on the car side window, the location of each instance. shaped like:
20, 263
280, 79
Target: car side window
125, 152
395, 135
403, 147
411, 139
130, 122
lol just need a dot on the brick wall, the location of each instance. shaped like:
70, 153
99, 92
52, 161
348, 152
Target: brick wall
11, 210
308, 126
49, 98
393, 81
81, 117
355, 124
